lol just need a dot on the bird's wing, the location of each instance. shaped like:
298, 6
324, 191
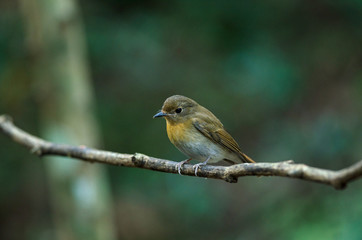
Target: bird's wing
222, 137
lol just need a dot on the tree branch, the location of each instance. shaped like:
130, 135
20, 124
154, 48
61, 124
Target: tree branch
337, 179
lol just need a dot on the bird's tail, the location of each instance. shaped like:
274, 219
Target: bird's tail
245, 158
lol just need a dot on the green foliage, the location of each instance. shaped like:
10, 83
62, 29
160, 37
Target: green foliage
284, 77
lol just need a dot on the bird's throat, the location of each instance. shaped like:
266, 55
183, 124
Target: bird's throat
178, 132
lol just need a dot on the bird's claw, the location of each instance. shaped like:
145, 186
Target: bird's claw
180, 164
197, 166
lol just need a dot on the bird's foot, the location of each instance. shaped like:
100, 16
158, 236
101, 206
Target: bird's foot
180, 164
197, 166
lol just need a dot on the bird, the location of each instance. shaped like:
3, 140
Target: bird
199, 134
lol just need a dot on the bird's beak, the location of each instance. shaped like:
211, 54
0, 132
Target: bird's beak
160, 114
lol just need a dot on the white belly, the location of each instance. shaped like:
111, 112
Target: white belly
201, 150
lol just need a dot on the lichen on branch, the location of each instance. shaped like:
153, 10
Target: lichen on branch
337, 179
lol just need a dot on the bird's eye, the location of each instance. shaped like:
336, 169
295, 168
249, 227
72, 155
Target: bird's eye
178, 110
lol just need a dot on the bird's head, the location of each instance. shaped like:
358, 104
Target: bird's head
177, 109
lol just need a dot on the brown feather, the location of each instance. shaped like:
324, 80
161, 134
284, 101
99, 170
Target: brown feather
222, 137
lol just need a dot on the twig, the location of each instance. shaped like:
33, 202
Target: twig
337, 179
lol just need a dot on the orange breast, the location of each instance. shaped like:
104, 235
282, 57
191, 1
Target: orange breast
179, 132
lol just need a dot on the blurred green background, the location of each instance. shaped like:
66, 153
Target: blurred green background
285, 78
